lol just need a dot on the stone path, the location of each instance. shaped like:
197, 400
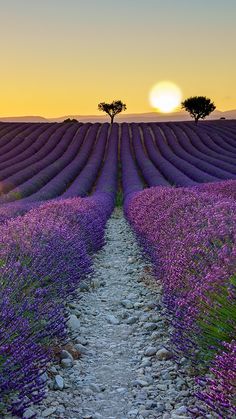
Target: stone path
119, 326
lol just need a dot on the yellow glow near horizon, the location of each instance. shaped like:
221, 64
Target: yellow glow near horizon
165, 96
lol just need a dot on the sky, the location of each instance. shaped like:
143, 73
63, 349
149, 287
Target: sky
63, 57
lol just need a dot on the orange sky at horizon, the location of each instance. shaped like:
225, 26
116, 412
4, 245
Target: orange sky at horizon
64, 57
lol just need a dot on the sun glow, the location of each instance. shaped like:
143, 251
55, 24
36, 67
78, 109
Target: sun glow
165, 96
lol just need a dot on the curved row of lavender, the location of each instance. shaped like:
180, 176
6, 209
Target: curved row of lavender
190, 236
44, 255
213, 168
150, 172
168, 168
48, 157
189, 141
14, 134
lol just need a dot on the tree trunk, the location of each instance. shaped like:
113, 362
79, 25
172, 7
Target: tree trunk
112, 119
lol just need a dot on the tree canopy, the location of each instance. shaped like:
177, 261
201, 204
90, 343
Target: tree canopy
112, 109
70, 120
198, 106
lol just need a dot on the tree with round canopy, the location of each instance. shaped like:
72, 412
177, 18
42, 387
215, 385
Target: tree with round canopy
112, 109
198, 106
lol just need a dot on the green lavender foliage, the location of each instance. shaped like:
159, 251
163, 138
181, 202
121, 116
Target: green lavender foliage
218, 321
119, 199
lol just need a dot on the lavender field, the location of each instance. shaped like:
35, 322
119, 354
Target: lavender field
59, 184
46, 161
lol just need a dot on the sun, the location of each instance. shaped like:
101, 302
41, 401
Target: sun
165, 96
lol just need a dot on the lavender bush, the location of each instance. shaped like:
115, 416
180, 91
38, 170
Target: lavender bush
190, 236
44, 254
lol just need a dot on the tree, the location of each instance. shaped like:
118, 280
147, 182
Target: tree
68, 120
198, 107
112, 109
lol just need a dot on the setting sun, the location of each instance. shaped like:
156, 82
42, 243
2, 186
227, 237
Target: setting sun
165, 96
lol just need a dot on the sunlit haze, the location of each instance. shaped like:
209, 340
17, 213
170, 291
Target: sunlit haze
165, 97
63, 57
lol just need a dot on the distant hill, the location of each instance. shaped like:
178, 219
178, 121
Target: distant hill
23, 119
124, 117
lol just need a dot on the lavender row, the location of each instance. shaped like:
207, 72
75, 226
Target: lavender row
217, 141
131, 180
174, 175
83, 183
6, 128
205, 146
151, 174
190, 236
187, 168
204, 166
27, 146
107, 180
13, 136
21, 141
8, 132
227, 134
40, 170
188, 145
64, 172
21, 169
44, 255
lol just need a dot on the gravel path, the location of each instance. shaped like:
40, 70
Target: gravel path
126, 368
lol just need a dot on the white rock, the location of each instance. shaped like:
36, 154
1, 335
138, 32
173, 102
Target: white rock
58, 382
95, 283
146, 362
112, 319
150, 326
141, 383
127, 304
73, 323
48, 412
163, 354
29, 413
138, 305
82, 340
131, 320
53, 369
83, 287
80, 348
156, 335
121, 390
181, 410
145, 413
44, 377
66, 355
150, 351
66, 363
